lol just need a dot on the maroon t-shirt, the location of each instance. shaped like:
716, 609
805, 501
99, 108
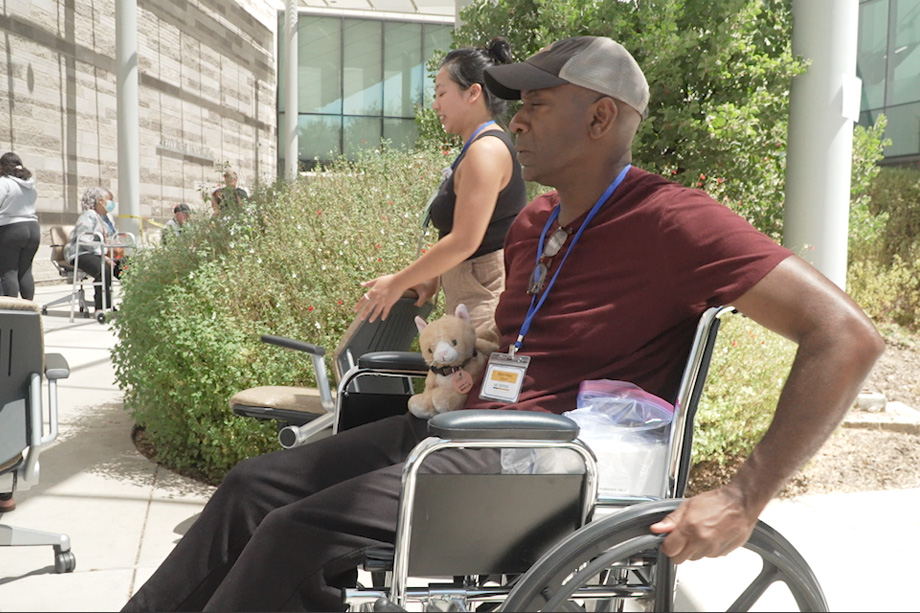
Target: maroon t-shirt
627, 301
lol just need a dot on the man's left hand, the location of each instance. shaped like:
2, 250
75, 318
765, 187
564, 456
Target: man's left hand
708, 525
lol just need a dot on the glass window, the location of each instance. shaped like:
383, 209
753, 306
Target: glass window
320, 65
872, 52
362, 73
437, 39
359, 81
402, 68
904, 58
319, 137
402, 133
361, 133
903, 129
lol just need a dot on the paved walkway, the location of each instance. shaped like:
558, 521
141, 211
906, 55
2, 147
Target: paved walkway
124, 514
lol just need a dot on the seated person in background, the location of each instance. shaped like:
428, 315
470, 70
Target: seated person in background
229, 197
626, 262
97, 203
173, 227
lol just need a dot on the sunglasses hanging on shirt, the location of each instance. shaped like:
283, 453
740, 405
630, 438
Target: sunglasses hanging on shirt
554, 243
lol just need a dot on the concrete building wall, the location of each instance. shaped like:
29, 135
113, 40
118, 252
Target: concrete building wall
207, 90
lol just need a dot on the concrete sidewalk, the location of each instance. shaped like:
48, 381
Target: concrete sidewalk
124, 514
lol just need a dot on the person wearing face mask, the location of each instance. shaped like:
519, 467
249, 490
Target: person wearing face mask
97, 203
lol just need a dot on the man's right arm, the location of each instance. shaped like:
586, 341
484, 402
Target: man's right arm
837, 348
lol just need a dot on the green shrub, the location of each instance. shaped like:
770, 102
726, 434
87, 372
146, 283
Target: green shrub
291, 264
888, 292
895, 198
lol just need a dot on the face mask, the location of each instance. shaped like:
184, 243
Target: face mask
109, 205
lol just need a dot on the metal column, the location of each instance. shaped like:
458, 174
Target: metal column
824, 104
291, 140
127, 108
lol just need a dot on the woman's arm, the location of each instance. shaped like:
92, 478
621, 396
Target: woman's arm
484, 172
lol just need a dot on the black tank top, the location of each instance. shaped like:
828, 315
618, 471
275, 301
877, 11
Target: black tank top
511, 199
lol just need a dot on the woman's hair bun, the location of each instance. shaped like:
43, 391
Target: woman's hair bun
499, 50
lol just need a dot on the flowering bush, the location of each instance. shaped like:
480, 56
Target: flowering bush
290, 264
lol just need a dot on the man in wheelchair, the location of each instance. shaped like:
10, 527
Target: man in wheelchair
640, 259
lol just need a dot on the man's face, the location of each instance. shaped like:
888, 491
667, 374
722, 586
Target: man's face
230, 180
181, 218
550, 129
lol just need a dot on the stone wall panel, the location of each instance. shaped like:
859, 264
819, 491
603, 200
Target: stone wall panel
207, 82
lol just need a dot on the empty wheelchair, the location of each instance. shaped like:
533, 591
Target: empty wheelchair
304, 412
532, 542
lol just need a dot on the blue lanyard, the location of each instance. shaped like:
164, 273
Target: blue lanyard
534, 304
466, 145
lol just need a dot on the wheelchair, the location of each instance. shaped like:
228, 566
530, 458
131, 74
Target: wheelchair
549, 542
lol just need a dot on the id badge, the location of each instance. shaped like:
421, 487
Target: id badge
504, 377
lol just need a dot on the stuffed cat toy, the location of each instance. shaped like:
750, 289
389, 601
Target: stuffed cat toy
456, 355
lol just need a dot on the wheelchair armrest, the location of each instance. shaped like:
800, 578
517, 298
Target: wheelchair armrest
494, 424
56, 367
394, 360
290, 343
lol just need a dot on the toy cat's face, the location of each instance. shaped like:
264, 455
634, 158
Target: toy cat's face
448, 340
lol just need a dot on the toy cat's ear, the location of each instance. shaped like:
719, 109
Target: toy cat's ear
420, 323
462, 313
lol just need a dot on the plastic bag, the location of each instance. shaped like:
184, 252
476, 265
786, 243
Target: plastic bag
628, 429
541, 462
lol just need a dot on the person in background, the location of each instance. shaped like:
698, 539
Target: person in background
20, 233
173, 227
230, 197
482, 193
97, 203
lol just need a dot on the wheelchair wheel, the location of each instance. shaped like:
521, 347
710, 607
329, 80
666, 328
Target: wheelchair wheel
614, 564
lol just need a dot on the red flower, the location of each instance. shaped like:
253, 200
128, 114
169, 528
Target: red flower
309, 308
340, 302
319, 212
389, 202
702, 176
379, 259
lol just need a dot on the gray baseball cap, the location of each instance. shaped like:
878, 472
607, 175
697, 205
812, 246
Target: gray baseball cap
593, 62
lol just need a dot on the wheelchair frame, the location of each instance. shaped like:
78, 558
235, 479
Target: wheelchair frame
605, 561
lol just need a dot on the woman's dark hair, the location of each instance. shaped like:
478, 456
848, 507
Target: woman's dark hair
11, 164
467, 65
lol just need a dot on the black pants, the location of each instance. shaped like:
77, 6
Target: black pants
18, 244
285, 531
92, 265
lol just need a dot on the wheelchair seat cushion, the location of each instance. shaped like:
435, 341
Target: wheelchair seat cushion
282, 397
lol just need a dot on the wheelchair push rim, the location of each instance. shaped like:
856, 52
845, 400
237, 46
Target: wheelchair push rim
617, 558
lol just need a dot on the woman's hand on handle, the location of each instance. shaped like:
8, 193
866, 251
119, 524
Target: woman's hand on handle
382, 293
